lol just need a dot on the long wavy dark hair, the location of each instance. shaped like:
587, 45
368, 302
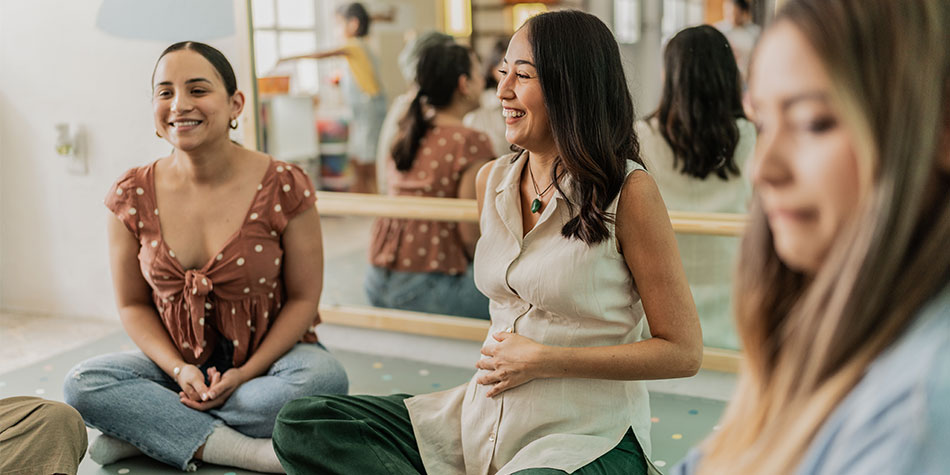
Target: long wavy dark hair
702, 98
590, 112
437, 79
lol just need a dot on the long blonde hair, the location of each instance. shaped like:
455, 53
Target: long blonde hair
808, 341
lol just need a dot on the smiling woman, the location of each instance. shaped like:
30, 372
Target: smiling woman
565, 235
189, 113
219, 290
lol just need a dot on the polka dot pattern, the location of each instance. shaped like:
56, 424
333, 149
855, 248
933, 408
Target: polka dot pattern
233, 288
436, 172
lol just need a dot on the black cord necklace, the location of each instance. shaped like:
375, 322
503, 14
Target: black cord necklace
536, 203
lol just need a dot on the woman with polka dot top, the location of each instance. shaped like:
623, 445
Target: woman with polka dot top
217, 264
425, 265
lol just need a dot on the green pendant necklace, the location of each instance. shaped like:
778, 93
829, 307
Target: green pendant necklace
536, 203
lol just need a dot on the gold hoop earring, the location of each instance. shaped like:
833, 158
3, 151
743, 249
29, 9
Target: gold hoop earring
233, 124
158, 134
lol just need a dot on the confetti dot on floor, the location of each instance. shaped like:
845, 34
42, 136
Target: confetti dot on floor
423, 372
654, 419
124, 470
693, 411
436, 385
377, 365
387, 377
659, 463
677, 436
48, 367
41, 391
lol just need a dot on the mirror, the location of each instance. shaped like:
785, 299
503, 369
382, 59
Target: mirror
303, 116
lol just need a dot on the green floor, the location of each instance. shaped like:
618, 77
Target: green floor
678, 422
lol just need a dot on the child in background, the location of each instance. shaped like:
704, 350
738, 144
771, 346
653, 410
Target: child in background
362, 91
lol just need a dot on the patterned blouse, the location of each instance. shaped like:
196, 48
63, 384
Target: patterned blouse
240, 291
418, 245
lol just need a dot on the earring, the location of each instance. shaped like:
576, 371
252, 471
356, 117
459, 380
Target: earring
158, 134
233, 124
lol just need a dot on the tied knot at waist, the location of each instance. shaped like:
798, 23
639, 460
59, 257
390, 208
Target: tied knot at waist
197, 288
197, 283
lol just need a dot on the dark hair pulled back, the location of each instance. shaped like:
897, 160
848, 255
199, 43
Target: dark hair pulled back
437, 79
210, 53
356, 11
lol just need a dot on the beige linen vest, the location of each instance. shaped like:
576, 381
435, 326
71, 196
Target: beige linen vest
555, 291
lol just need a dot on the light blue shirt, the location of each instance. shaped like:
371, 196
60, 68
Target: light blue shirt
897, 418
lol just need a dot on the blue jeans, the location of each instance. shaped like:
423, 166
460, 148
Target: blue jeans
127, 396
430, 292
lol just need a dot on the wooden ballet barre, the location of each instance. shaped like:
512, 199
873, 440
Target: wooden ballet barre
465, 210
464, 328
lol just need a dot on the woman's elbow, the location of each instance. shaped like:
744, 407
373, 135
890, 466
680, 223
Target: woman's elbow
692, 349
691, 358
693, 362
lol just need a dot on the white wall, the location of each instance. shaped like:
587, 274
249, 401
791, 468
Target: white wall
56, 66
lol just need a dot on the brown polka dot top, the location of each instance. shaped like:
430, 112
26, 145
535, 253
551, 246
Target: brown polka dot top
416, 245
240, 291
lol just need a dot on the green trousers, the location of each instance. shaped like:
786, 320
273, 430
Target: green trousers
349, 435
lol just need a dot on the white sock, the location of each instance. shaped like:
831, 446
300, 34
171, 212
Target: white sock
105, 450
226, 446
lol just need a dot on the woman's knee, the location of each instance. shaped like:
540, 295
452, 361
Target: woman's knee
307, 411
287, 425
76, 386
42, 429
84, 380
316, 371
64, 421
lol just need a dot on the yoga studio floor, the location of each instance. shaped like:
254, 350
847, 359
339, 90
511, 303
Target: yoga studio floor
37, 351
